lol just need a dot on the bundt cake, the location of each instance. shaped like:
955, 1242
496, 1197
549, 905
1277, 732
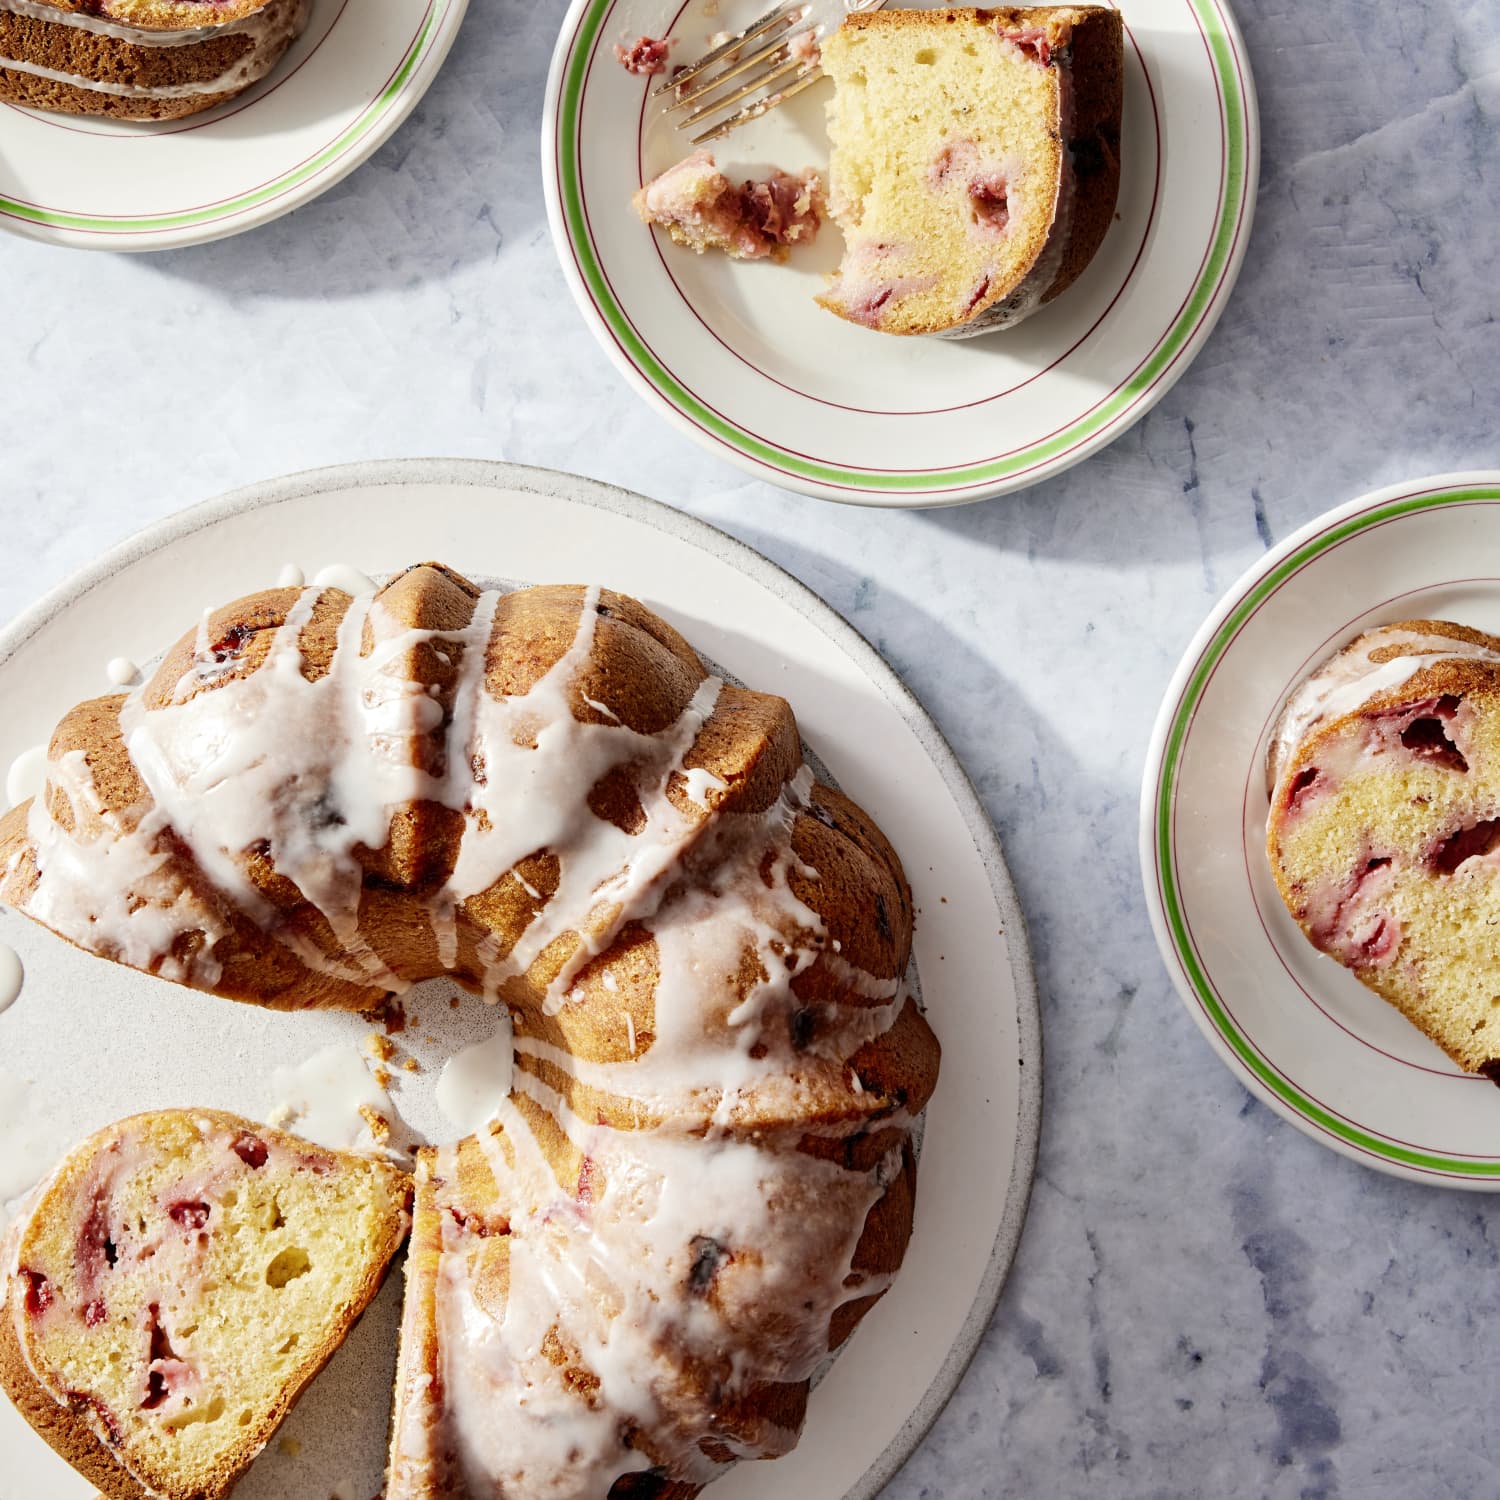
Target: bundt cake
140, 59
975, 161
762, 217
1384, 777
175, 1284
703, 1176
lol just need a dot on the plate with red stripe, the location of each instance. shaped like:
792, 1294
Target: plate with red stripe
1299, 1030
349, 80
740, 357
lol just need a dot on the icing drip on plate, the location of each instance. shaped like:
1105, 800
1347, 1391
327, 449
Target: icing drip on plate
475, 1082
27, 776
332, 1098
12, 976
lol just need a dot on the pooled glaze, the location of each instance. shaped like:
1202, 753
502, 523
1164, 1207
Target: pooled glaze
321, 1099
12, 976
291, 577
476, 1081
122, 672
27, 776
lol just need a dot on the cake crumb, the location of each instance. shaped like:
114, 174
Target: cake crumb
280, 1116
411, 1065
379, 1126
290, 1446
453, 1003
390, 1013
382, 1077
645, 56
380, 1046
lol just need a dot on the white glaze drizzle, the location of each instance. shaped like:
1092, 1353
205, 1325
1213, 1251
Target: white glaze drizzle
291, 577
349, 579
122, 671
1349, 679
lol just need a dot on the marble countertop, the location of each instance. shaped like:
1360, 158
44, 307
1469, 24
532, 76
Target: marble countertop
1205, 1301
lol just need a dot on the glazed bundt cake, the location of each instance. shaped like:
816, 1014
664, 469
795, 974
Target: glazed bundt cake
1384, 776
176, 1283
703, 1176
975, 161
140, 59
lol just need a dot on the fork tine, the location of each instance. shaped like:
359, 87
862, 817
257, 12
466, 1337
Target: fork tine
750, 86
749, 34
758, 108
719, 79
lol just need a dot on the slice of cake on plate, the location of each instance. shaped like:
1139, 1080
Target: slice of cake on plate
140, 59
975, 161
175, 1284
1384, 827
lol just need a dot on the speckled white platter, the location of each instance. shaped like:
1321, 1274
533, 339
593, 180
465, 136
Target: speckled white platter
351, 78
741, 358
1298, 1029
100, 1041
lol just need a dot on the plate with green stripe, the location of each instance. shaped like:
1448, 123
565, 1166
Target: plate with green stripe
346, 84
739, 355
1298, 1029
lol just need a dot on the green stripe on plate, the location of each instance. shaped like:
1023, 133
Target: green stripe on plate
1202, 986
356, 132
1232, 112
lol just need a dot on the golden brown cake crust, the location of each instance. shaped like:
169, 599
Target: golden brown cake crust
63, 1430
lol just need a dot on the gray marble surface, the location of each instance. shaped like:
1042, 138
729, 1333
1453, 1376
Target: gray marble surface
1205, 1302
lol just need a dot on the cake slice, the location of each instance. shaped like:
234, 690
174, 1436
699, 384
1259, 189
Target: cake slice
140, 59
175, 1284
1384, 827
975, 161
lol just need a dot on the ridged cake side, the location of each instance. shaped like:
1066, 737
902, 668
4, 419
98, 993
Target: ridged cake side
175, 1285
1385, 825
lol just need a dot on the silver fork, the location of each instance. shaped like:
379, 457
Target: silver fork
778, 54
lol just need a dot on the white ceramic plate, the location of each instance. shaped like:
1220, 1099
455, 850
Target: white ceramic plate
741, 357
100, 1041
351, 78
1299, 1030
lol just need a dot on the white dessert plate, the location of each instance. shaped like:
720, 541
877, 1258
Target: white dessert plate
1298, 1029
741, 357
99, 1041
346, 84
